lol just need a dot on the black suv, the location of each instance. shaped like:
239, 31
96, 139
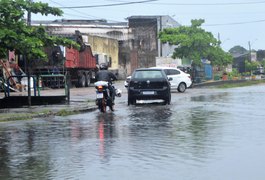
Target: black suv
149, 84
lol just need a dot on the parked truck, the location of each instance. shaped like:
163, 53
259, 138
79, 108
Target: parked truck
80, 65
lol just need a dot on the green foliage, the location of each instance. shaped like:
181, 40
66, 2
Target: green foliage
234, 73
195, 43
262, 63
251, 66
246, 73
240, 84
26, 40
260, 55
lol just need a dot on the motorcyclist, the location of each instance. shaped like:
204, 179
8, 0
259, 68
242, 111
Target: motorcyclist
105, 75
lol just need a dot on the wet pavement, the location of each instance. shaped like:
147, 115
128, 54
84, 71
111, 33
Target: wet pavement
204, 134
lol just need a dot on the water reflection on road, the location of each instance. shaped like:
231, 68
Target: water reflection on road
201, 135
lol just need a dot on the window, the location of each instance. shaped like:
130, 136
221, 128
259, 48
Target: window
110, 62
172, 72
148, 74
96, 56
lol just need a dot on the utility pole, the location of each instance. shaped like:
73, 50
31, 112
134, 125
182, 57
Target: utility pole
29, 15
27, 61
219, 41
249, 47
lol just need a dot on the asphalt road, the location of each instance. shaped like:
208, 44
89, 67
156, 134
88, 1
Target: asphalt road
205, 133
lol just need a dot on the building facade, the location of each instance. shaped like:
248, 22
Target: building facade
106, 50
103, 37
125, 46
143, 48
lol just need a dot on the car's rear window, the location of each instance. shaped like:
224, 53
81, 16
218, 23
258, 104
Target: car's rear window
172, 72
148, 74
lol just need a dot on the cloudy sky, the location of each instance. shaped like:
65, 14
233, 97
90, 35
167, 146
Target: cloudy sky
237, 22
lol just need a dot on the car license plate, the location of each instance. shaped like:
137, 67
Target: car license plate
148, 92
99, 95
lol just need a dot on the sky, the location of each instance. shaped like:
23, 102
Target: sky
234, 22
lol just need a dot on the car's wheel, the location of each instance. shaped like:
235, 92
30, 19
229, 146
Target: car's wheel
167, 100
87, 80
131, 101
82, 81
182, 87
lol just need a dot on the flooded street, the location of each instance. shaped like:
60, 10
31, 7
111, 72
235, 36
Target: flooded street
204, 134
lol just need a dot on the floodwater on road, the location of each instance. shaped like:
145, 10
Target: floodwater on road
204, 134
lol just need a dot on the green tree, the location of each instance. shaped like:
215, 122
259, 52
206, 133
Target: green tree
195, 43
260, 55
263, 63
16, 36
251, 66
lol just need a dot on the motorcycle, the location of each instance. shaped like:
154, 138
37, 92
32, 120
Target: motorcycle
103, 96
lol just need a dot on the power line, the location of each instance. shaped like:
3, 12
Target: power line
236, 23
82, 14
221, 24
210, 4
107, 5
73, 10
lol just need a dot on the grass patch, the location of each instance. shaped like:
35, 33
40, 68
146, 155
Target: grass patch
5, 117
24, 116
65, 112
15, 117
240, 84
28, 116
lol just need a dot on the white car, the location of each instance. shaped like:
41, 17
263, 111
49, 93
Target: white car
126, 82
180, 80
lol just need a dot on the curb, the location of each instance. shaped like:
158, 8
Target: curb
216, 83
41, 112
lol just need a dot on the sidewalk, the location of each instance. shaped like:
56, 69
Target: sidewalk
81, 100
